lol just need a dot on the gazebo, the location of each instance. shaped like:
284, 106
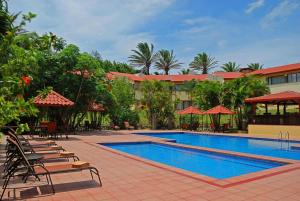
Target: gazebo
96, 109
280, 120
282, 117
53, 100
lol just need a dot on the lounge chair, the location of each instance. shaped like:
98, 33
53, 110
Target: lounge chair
128, 126
20, 166
34, 157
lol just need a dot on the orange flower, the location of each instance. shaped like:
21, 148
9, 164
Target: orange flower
26, 79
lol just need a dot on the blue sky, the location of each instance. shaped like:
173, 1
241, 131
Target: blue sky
244, 31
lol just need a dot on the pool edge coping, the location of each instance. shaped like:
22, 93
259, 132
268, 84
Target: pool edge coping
223, 183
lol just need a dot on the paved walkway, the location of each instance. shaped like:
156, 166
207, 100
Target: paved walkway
130, 180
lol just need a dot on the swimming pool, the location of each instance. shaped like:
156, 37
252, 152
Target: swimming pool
265, 147
216, 165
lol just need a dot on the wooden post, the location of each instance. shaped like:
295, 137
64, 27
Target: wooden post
278, 112
266, 107
284, 109
254, 109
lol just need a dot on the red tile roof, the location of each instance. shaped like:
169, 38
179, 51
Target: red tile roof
276, 97
174, 78
171, 78
53, 99
84, 73
229, 75
132, 77
190, 110
218, 110
277, 69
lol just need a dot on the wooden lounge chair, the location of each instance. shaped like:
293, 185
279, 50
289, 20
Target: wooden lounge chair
21, 163
128, 126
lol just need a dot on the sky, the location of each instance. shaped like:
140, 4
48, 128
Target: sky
241, 31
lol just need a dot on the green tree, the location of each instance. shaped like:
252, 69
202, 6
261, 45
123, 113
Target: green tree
255, 66
185, 71
230, 67
123, 96
14, 79
143, 57
238, 90
166, 61
203, 62
157, 99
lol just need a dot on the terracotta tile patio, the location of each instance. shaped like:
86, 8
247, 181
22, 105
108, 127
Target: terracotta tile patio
131, 180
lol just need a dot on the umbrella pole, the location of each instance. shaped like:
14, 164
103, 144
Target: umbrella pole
191, 120
202, 123
220, 121
180, 122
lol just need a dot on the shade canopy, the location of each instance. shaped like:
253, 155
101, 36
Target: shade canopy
286, 96
95, 107
218, 110
53, 99
189, 110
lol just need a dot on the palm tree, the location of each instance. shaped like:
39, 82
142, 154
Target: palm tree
5, 21
255, 66
185, 71
143, 57
203, 62
166, 61
230, 67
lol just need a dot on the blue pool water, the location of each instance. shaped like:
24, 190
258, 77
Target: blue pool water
211, 164
273, 148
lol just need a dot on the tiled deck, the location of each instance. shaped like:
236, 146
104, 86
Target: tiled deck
127, 179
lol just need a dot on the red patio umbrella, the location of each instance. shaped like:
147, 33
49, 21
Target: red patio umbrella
218, 110
189, 110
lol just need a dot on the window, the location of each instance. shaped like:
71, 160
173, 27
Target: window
177, 87
292, 77
277, 80
298, 77
186, 104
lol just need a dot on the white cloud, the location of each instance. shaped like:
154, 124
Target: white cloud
282, 10
254, 5
95, 24
200, 20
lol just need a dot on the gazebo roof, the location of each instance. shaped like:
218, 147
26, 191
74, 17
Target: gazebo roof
219, 110
53, 99
95, 107
286, 96
189, 110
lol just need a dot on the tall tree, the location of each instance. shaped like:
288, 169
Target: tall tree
157, 99
185, 71
143, 57
166, 61
230, 67
255, 66
203, 62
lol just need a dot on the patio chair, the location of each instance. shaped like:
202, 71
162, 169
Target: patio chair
28, 147
114, 127
128, 126
23, 168
212, 127
34, 157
